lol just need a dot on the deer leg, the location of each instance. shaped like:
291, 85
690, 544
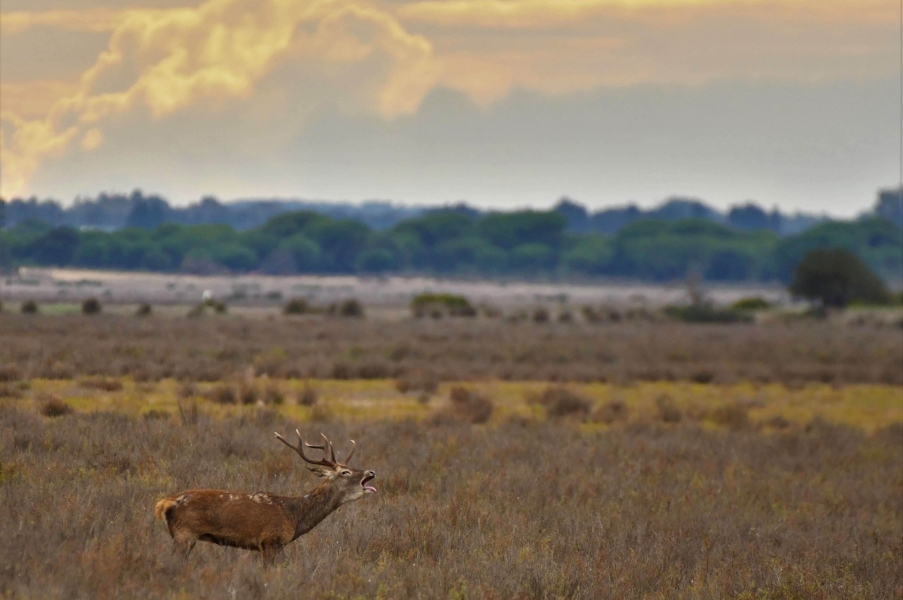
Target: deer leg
269, 553
184, 543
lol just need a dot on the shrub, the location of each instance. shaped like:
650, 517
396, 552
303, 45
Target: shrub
470, 406
155, 414
29, 307
247, 393
705, 313
373, 370
295, 306
561, 402
752, 303
143, 310
733, 416
667, 411
436, 305
350, 308
308, 396
590, 315
702, 376
9, 373
610, 412
273, 394
835, 277
222, 394
106, 384
53, 406
419, 382
219, 307
91, 306
341, 370
541, 315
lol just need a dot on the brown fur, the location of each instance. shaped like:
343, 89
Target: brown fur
162, 506
260, 521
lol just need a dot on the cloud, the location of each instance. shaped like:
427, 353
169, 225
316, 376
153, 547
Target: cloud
164, 61
276, 64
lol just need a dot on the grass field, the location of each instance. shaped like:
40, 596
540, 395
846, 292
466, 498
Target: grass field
596, 477
750, 492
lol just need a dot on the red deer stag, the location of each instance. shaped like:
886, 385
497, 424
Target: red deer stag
262, 521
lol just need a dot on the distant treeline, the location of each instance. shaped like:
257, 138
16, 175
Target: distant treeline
109, 212
456, 241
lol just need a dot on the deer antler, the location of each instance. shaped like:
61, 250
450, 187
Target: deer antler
326, 447
300, 450
350, 454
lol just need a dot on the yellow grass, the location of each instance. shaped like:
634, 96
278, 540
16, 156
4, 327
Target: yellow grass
867, 407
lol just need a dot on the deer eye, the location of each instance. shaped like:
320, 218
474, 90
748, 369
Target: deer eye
346, 473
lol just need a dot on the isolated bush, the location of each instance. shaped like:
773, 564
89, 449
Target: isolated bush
106, 384
702, 376
590, 314
541, 315
222, 393
437, 305
610, 412
9, 373
734, 416
667, 411
351, 308
835, 277
562, 402
91, 306
29, 307
706, 313
143, 310
341, 370
218, 306
470, 405
187, 389
752, 303
273, 394
295, 306
52, 406
417, 382
308, 396
247, 393
373, 370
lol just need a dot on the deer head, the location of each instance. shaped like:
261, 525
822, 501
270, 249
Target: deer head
350, 484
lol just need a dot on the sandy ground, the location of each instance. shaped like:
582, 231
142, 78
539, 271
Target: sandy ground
69, 285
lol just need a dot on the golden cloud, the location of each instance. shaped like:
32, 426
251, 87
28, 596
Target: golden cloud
519, 14
167, 60
184, 55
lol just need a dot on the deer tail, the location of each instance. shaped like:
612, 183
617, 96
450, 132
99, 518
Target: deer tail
162, 507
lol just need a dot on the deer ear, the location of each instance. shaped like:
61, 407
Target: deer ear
320, 471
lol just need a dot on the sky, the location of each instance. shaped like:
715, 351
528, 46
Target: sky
499, 103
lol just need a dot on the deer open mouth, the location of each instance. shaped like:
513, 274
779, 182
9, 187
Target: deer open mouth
368, 489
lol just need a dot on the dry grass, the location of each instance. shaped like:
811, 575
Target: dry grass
520, 509
423, 350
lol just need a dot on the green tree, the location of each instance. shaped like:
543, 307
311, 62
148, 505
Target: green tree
375, 260
56, 247
304, 252
532, 258
508, 230
590, 255
437, 227
340, 242
834, 277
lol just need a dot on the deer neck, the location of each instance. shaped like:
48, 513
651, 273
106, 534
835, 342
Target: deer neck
312, 508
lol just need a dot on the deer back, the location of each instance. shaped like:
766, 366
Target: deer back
229, 518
